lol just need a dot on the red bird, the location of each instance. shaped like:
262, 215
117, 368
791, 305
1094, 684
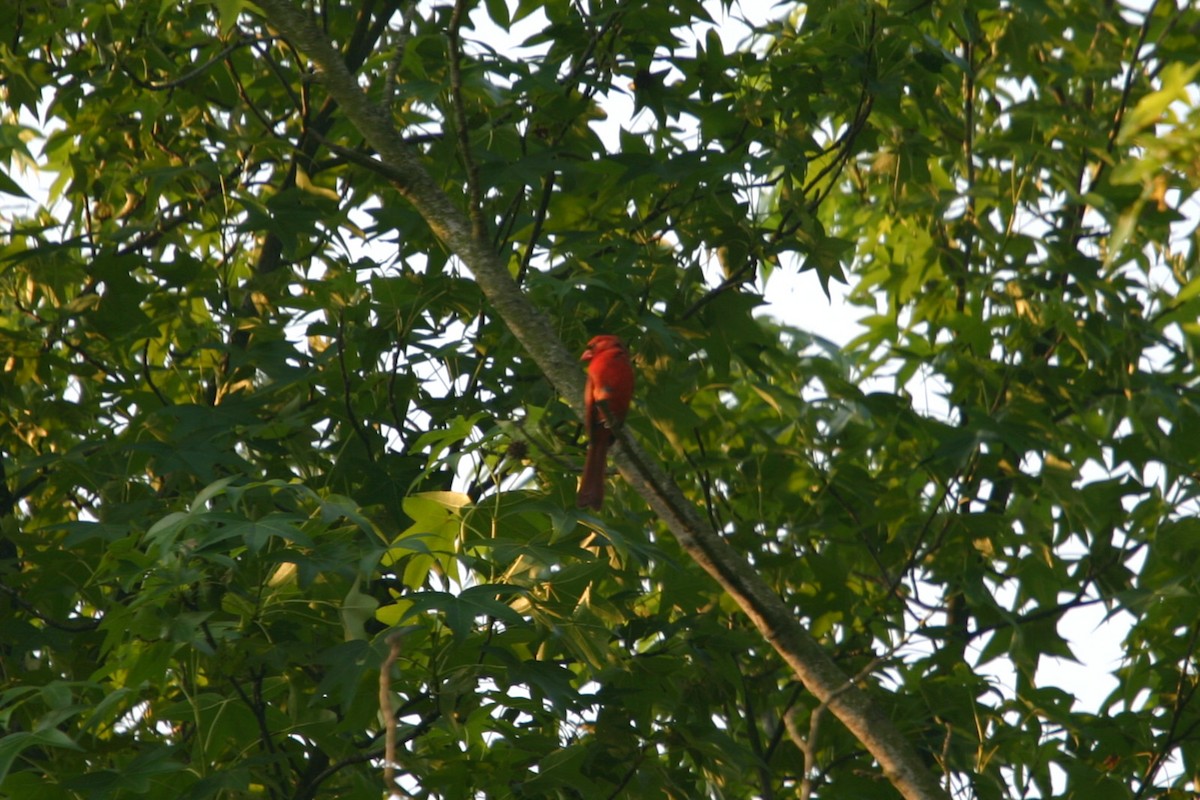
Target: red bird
605, 403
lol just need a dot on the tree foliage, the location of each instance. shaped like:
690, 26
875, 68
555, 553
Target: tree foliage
262, 430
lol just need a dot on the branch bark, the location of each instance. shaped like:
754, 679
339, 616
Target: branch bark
896, 756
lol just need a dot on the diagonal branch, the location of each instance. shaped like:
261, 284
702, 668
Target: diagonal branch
774, 619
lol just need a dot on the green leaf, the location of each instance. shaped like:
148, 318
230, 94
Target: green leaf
357, 608
9, 186
13, 744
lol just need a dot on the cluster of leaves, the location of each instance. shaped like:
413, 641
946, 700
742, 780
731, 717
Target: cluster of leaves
245, 455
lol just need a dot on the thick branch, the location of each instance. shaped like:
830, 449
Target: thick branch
774, 619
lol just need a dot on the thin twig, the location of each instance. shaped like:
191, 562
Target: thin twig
539, 220
1183, 695
806, 744
390, 82
474, 193
240, 41
347, 397
705, 482
388, 713
15, 597
149, 377
968, 249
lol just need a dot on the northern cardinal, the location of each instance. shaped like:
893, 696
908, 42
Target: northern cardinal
605, 402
